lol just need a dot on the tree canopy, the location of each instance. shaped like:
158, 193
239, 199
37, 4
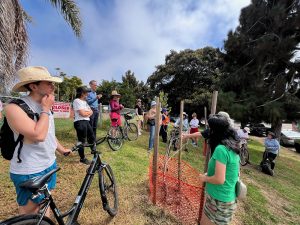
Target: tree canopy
261, 71
189, 74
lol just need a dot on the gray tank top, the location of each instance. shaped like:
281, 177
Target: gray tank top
36, 156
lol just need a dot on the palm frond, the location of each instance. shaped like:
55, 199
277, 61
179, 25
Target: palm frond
13, 41
70, 12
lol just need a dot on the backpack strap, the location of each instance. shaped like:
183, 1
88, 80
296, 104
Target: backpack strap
30, 114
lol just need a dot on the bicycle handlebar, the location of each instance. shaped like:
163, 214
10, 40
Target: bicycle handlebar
80, 145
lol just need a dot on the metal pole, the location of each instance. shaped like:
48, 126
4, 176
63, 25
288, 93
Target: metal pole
156, 146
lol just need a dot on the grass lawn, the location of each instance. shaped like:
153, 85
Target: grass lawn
271, 200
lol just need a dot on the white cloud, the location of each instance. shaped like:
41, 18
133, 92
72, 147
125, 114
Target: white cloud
135, 35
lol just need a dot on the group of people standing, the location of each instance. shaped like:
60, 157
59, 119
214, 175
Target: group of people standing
86, 113
187, 127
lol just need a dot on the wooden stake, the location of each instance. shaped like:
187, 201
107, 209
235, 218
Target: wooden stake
180, 140
156, 146
208, 150
214, 102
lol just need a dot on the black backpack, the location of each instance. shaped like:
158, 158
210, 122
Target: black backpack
266, 167
7, 141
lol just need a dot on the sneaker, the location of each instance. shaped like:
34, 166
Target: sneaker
85, 161
140, 133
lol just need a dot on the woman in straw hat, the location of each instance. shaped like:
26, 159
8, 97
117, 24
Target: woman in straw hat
115, 109
39, 144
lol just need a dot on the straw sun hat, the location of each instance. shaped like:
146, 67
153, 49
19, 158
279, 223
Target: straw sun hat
115, 93
33, 74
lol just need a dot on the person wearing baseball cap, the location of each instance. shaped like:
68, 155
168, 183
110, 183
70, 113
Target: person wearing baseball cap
272, 147
151, 122
164, 126
82, 117
36, 156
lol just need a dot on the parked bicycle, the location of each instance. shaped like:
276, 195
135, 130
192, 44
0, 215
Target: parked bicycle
118, 134
244, 153
173, 142
38, 186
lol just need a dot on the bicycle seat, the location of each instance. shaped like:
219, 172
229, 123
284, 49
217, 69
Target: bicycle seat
36, 183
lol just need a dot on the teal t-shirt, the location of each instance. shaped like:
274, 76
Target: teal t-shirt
224, 192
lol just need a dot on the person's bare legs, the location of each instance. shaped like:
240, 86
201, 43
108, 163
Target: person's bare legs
205, 220
31, 208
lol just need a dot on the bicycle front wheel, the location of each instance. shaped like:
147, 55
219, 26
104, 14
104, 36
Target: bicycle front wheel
132, 132
115, 138
108, 190
27, 220
244, 156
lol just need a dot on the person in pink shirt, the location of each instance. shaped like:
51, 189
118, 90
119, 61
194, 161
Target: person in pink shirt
115, 109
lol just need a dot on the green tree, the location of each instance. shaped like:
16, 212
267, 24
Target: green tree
67, 89
105, 88
130, 89
14, 38
163, 97
261, 73
190, 75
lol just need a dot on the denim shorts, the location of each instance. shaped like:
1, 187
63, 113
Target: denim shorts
23, 195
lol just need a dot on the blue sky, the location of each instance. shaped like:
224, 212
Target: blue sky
121, 35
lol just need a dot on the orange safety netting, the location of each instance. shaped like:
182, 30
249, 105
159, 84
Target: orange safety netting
182, 197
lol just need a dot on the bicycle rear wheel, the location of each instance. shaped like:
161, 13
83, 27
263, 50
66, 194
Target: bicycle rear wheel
108, 190
132, 132
27, 220
115, 138
244, 156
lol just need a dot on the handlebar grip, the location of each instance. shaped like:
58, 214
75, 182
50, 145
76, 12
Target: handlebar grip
67, 153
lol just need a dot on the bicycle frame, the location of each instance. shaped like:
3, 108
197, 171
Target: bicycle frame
73, 213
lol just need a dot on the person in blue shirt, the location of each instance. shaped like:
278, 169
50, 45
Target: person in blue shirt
92, 100
271, 149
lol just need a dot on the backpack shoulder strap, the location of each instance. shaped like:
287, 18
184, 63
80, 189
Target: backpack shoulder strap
25, 108
30, 114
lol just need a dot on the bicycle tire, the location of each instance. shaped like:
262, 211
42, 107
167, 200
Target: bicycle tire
115, 143
108, 190
244, 156
27, 220
132, 132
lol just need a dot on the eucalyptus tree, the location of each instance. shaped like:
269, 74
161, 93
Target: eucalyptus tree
14, 38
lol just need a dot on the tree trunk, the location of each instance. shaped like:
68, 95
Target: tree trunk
276, 128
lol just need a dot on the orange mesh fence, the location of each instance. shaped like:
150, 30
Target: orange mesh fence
182, 197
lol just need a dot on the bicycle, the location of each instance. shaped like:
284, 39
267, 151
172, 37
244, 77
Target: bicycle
118, 134
38, 186
244, 153
173, 142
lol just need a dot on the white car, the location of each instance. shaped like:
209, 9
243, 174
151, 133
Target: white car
288, 137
